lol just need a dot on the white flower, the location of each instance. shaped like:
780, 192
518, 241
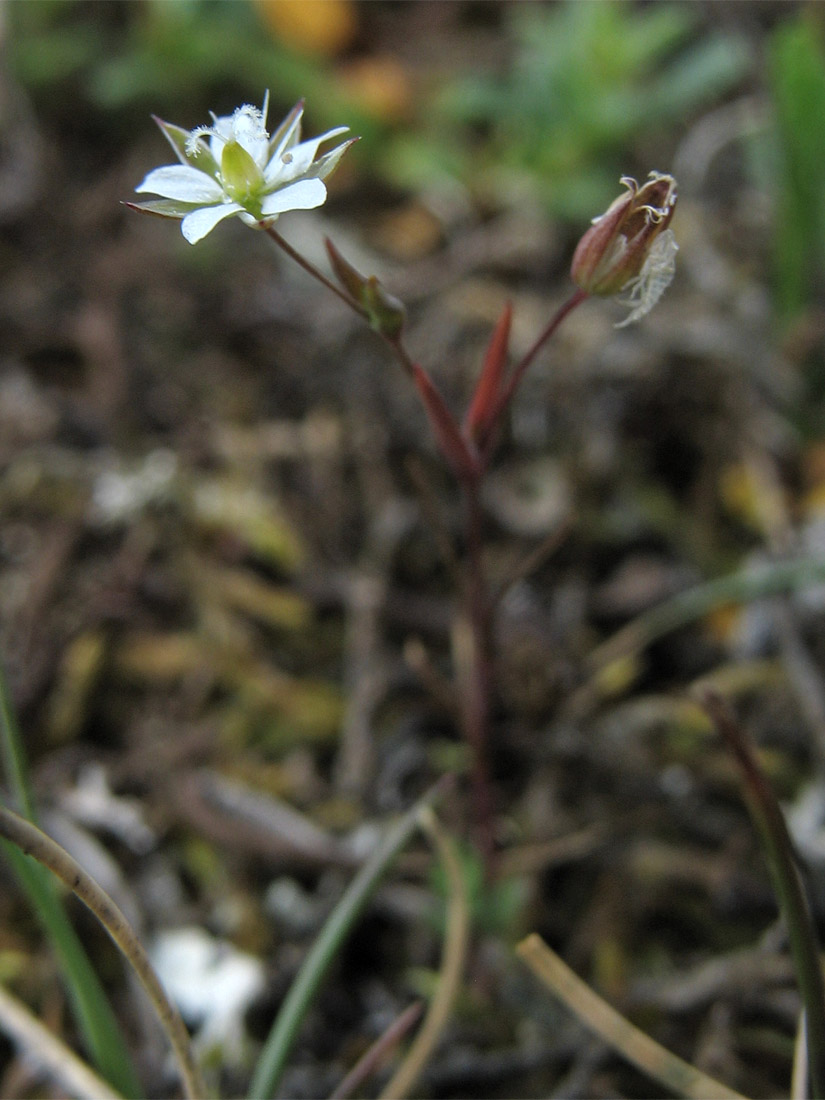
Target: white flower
235, 167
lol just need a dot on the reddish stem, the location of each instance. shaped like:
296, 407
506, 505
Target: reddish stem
521, 367
397, 346
475, 707
469, 467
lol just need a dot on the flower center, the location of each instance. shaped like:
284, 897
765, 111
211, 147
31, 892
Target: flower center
246, 127
241, 177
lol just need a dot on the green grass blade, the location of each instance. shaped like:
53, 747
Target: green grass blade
797, 74
94, 1015
323, 951
751, 583
766, 815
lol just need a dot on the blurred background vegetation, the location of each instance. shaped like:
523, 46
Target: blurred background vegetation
194, 392
551, 118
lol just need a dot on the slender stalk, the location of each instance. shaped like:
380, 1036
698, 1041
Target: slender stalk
312, 270
469, 467
403, 356
32, 842
395, 344
13, 756
272, 1061
521, 367
375, 1056
475, 705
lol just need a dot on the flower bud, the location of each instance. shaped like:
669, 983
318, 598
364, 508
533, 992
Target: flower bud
618, 250
387, 314
384, 312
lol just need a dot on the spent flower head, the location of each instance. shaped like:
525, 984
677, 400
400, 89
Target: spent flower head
234, 167
630, 247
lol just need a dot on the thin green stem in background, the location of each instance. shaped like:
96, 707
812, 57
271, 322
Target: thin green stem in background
686, 607
301, 993
13, 756
96, 1020
770, 823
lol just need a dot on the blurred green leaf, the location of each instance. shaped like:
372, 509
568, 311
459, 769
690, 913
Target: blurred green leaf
586, 80
496, 908
797, 72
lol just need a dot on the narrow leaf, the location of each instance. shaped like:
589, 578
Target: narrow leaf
452, 445
481, 416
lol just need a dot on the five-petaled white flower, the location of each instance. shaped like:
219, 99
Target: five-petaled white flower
235, 167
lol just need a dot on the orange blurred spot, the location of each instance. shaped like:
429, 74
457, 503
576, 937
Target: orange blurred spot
323, 27
380, 85
408, 233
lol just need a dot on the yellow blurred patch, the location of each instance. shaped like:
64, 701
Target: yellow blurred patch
79, 671
617, 677
740, 494
321, 27
723, 622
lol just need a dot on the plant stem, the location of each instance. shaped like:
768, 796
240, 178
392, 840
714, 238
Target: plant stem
478, 680
454, 953
479, 604
394, 344
475, 674
312, 270
521, 367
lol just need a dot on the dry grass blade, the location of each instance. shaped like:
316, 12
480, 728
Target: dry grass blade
67, 1070
799, 1077
645, 1053
378, 1052
452, 965
34, 843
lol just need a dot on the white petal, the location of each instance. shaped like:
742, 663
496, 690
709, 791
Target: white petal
196, 225
301, 195
181, 182
221, 133
287, 134
300, 157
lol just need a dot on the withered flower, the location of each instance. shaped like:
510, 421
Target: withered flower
630, 247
